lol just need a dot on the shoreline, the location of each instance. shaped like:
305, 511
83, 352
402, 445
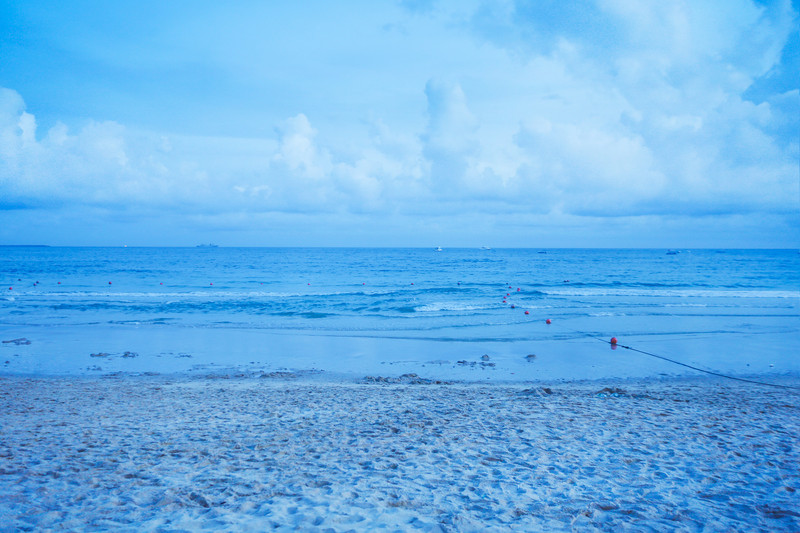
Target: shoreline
538, 355
318, 377
192, 453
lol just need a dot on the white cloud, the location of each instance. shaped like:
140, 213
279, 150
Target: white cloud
102, 163
653, 119
298, 151
606, 108
449, 143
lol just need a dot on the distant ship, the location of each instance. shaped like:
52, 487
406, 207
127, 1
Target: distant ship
672, 252
207, 246
438, 249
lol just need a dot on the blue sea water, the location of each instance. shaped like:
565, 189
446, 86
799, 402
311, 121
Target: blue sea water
357, 312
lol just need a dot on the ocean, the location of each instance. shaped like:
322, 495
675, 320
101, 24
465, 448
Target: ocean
117, 414
454, 314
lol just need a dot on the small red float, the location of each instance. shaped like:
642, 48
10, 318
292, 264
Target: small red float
613, 340
547, 321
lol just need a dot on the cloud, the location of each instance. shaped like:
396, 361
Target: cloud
101, 164
449, 140
298, 151
585, 169
599, 109
106, 164
645, 109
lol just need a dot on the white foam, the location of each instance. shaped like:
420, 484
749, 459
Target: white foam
448, 306
673, 293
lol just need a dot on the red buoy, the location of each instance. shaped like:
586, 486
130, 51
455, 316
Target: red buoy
527, 313
512, 306
109, 283
517, 289
547, 321
613, 340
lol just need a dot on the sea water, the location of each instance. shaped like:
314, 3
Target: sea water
454, 314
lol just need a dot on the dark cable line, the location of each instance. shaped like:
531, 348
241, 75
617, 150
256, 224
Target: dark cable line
711, 372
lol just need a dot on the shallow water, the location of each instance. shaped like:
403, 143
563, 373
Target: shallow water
356, 312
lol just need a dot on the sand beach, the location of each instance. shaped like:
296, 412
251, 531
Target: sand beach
288, 453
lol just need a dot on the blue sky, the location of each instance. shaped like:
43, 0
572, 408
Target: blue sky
610, 123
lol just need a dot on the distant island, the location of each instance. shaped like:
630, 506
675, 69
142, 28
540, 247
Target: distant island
24, 246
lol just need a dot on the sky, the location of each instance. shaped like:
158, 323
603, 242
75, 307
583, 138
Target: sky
466, 123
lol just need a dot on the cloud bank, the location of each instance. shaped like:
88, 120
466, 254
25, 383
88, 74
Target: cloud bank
605, 109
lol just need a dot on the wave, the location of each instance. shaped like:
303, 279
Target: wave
678, 293
450, 307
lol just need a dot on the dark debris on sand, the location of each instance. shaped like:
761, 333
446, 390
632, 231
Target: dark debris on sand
18, 342
540, 391
405, 379
611, 391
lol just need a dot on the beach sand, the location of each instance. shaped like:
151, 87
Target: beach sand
277, 453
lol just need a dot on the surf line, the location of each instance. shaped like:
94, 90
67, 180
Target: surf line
711, 372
